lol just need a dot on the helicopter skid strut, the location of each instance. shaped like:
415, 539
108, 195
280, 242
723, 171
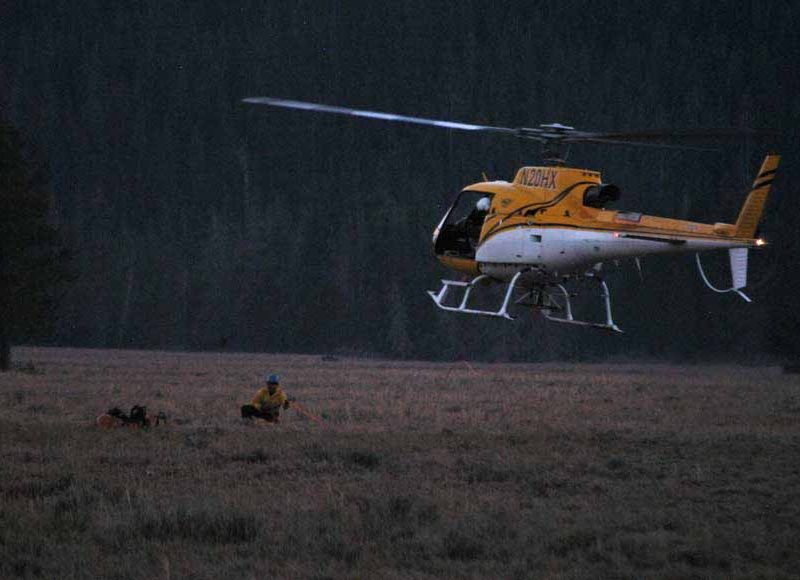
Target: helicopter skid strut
544, 300
438, 297
567, 317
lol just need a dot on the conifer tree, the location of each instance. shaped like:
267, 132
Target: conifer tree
33, 259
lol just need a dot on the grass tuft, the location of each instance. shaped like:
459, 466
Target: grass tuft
365, 459
255, 456
460, 545
202, 525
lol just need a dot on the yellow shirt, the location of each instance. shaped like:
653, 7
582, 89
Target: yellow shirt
263, 400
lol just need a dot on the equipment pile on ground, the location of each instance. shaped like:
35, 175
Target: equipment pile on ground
138, 419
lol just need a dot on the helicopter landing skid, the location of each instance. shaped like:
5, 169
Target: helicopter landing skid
439, 297
562, 303
545, 299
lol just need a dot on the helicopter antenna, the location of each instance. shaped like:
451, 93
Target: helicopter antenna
552, 135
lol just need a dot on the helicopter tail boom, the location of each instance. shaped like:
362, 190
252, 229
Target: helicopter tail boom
753, 206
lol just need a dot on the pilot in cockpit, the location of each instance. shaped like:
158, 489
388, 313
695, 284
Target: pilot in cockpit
474, 221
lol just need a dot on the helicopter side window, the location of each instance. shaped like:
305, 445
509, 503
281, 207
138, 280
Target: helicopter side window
461, 230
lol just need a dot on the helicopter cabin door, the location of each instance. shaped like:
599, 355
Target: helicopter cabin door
460, 231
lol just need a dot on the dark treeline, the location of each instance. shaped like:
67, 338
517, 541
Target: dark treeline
202, 223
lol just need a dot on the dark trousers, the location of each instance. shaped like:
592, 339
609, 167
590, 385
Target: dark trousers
269, 414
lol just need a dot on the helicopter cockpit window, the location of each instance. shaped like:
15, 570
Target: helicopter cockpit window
461, 230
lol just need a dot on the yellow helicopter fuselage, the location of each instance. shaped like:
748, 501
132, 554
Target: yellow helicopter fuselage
553, 221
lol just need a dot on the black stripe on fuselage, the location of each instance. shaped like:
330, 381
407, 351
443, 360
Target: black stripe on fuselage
540, 205
652, 239
766, 173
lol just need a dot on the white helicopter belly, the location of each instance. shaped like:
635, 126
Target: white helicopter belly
554, 252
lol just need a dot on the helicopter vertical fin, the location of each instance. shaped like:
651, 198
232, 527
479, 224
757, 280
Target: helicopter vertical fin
753, 206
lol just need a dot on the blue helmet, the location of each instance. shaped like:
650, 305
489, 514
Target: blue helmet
273, 379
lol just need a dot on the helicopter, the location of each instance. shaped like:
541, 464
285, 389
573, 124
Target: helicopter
550, 229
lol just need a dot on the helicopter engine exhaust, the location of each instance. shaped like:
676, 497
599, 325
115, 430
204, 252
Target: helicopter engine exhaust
599, 196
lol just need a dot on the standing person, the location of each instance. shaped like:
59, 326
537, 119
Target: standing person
268, 402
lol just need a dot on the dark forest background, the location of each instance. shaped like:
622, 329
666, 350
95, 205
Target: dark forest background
199, 222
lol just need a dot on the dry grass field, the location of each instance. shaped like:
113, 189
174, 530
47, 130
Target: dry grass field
420, 470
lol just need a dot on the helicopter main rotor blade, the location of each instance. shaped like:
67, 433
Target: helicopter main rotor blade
289, 104
685, 135
657, 145
551, 133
